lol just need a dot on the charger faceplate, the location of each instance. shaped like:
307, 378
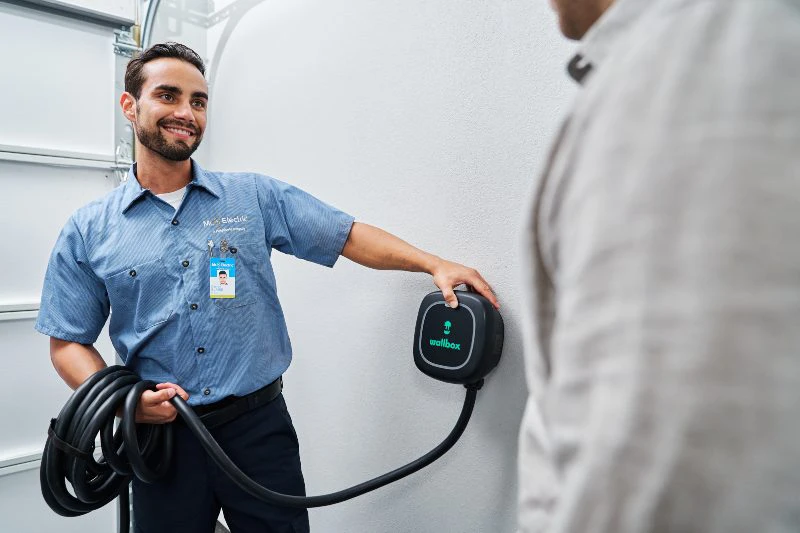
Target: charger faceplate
460, 345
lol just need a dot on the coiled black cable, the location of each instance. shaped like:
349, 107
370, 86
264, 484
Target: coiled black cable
144, 450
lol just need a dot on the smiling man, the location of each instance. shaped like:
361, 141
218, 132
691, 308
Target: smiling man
151, 252
664, 275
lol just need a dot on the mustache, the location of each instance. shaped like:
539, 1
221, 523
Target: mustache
187, 125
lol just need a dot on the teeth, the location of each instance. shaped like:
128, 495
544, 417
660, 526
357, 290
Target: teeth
179, 131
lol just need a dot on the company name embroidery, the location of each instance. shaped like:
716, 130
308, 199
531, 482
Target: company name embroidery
444, 343
216, 221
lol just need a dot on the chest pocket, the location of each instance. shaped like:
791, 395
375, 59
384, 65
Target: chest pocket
143, 294
248, 282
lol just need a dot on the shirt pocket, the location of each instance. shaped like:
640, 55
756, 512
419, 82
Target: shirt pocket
143, 294
247, 277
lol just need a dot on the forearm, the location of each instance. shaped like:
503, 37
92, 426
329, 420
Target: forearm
75, 362
374, 248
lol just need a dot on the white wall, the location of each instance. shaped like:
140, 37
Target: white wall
430, 120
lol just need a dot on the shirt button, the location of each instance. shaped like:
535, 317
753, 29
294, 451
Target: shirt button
233, 250
175, 222
207, 392
193, 307
185, 264
132, 273
201, 350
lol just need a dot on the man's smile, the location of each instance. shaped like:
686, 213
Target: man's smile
179, 131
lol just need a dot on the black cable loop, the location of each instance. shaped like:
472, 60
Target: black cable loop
145, 450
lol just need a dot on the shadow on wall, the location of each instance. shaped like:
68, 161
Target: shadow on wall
236, 11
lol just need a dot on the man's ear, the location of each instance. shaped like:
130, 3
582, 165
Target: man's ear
128, 104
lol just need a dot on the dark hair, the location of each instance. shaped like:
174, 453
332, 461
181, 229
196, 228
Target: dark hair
134, 78
221, 272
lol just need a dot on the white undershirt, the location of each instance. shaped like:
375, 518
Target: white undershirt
174, 198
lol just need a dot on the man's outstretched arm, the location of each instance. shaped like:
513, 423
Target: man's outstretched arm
374, 248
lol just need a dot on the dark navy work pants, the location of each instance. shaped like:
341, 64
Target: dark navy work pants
263, 443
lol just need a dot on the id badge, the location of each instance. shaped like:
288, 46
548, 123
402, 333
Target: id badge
222, 274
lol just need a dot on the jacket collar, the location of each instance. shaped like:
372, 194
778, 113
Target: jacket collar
603, 35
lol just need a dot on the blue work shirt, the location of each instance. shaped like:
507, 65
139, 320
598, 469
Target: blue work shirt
132, 254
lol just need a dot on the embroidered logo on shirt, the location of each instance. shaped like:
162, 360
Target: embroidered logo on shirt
216, 221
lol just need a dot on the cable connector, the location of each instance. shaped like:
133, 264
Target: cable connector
474, 386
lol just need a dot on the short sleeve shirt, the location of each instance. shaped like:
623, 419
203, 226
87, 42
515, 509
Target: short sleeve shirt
132, 255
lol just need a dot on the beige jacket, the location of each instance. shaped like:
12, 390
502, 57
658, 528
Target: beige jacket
664, 279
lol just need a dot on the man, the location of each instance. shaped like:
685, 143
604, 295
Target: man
664, 367
150, 250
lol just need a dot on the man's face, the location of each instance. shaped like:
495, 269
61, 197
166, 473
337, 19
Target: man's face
223, 278
577, 16
170, 114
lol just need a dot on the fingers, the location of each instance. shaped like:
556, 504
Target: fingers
482, 287
182, 393
453, 274
449, 297
153, 398
154, 407
171, 415
162, 414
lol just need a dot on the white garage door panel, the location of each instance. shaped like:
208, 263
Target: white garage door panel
57, 84
36, 390
23, 510
38, 201
124, 10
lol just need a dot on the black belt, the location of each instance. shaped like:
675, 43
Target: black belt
217, 413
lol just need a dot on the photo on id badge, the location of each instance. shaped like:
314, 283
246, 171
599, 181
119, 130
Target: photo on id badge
223, 277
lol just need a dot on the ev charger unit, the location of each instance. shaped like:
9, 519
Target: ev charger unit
460, 345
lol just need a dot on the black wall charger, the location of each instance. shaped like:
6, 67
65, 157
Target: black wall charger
460, 345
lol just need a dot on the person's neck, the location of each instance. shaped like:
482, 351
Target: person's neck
161, 175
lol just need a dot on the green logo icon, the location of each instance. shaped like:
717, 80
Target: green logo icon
443, 342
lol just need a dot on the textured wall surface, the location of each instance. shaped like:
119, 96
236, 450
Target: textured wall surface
429, 119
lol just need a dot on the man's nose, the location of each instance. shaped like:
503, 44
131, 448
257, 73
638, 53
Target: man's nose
184, 112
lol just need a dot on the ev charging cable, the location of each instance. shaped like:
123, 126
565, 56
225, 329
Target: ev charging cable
144, 450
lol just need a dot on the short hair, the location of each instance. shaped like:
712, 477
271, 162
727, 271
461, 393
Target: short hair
221, 272
134, 77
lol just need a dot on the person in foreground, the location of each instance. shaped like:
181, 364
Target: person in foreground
181, 258
664, 278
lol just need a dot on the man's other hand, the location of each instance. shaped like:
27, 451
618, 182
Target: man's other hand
154, 406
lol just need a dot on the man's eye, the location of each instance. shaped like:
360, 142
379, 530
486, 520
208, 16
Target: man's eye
167, 97
199, 104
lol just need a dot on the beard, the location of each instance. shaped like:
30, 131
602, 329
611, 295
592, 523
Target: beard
174, 151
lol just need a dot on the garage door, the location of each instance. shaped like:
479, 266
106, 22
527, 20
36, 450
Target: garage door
63, 143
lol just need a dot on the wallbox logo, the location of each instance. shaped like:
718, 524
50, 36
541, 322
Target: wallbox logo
444, 343
447, 326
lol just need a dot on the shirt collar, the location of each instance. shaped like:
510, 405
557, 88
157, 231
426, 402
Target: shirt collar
601, 37
133, 189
